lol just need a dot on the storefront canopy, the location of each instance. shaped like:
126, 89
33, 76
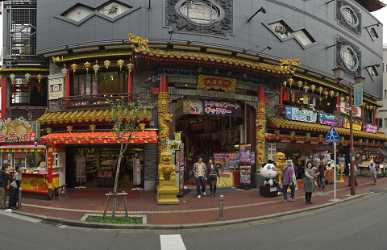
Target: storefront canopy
137, 137
82, 116
313, 127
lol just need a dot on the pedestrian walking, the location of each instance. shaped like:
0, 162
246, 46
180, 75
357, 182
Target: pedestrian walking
355, 170
3, 187
321, 176
213, 174
200, 172
373, 171
288, 180
309, 179
14, 189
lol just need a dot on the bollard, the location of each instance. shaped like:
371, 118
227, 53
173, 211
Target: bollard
221, 207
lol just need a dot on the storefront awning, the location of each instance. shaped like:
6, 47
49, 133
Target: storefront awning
137, 137
22, 148
76, 117
313, 127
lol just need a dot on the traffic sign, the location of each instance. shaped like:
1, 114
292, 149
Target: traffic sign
332, 135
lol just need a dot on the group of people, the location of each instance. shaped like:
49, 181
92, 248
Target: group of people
205, 173
9, 186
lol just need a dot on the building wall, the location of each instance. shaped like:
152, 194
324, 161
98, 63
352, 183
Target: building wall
381, 114
160, 23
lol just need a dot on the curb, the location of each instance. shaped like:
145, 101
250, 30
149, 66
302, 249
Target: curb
59, 221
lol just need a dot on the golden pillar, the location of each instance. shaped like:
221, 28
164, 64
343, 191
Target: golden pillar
260, 121
167, 189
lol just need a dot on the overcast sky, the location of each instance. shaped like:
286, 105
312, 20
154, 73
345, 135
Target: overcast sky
382, 16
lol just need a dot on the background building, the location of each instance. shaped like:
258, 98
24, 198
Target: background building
226, 69
382, 112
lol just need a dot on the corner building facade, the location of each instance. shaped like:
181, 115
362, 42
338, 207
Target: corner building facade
252, 76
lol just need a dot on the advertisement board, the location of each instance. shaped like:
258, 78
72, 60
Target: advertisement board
327, 119
299, 114
245, 164
216, 83
193, 107
371, 128
222, 108
356, 125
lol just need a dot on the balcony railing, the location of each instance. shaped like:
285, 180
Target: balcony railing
86, 101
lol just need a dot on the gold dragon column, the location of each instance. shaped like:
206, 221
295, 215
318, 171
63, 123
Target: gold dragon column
260, 122
167, 189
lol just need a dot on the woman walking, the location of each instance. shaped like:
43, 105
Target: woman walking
288, 180
213, 174
14, 189
309, 179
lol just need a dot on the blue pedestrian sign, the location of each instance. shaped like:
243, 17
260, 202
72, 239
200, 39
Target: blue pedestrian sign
332, 135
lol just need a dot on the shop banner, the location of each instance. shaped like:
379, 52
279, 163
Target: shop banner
193, 107
18, 130
221, 108
344, 108
356, 125
245, 164
302, 115
55, 87
327, 119
371, 128
358, 90
216, 83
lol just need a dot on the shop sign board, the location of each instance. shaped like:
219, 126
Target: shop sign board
358, 90
327, 119
221, 108
193, 107
245, 164
55, 87
18, 130
371, 128
216, 83
302, 115
356, 124
344, 108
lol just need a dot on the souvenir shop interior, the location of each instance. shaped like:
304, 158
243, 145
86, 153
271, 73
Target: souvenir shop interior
95, 166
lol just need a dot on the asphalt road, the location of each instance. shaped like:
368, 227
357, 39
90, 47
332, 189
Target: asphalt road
359, 224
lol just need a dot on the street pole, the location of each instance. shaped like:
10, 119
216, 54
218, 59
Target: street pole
352, 162
334, 170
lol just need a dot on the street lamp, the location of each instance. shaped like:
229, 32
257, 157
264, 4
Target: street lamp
339, 75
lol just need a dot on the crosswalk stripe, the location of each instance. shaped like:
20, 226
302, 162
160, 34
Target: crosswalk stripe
20, 217
172, 242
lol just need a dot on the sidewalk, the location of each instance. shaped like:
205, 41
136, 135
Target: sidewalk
238, 204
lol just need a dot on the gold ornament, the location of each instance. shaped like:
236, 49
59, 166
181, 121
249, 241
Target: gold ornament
120, 63
313, 87
74, 67
87, 66
290, 81
300, 83
107, 64
39, 77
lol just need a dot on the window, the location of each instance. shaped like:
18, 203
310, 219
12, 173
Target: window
385, 94
113, 9
78, 13
349, 15
372, 71
200, 12
385, 123
379, 122
349, 57
111, 83
281, 29
303, 37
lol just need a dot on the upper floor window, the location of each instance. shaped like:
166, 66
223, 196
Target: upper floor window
30, 93
281, 29
349, 15
373, 71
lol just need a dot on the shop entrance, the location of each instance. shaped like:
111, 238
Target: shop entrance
95, 166
209, 133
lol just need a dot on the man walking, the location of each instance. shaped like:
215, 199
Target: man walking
3, 186
200, 171
373, 171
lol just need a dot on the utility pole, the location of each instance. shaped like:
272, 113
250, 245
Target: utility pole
352, 160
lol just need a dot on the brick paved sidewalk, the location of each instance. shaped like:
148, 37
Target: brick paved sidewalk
238, 204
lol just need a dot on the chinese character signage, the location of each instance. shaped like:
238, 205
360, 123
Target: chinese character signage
356, 124
302, 115
221, 108
55, 87
216, 83
327, 119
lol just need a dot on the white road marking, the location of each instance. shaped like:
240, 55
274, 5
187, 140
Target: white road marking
20, 217
172, 242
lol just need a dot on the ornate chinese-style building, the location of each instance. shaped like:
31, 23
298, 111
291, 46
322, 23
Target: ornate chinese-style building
253, 77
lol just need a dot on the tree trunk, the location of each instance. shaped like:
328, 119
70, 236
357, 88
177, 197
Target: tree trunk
116, 180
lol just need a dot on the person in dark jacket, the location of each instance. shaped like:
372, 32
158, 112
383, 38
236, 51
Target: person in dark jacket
3, 187
213, 174
14, 189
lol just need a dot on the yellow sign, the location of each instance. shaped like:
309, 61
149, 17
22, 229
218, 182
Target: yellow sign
356, 124
216, 83
226, 179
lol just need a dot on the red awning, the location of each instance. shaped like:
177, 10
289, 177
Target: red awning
137, 137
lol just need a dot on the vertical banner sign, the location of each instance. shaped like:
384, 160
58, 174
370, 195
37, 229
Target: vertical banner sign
245, 164
358, 90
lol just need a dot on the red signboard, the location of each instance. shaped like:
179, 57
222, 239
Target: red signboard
216, 83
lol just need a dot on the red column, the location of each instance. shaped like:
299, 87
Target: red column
261, 94
4, 97
163, 83
281, 100
50, 162
130, 83
67, 83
